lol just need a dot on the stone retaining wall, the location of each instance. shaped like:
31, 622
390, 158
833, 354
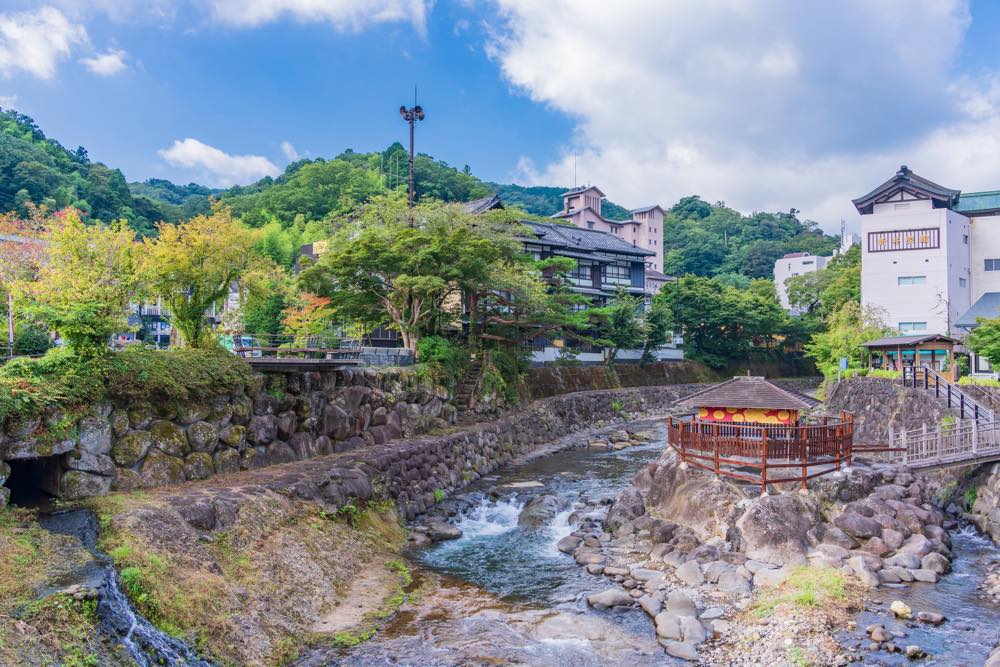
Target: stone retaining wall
284, 417
412, 471
881, 404
985, 511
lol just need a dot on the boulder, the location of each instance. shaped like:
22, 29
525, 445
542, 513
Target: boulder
650, 605
690, 573
692, 631
261, 430
733, 583
168, 438
715, 569
682, 650
119, 422
907, 560
668, 625
930, 617
199, 465
100, 464
627, 506
901, 610
129, 449
159, 469
936, 563
775, 528
707, 505
771, 578
613, 597
439, 530
918, 545
925, 576
77, 484
538, 512
203, 436
875, 546
893, 539
680, 604
858, 526
568, 543
226, 461
126, 481
234, 436
837, 537
865, 573
94, 435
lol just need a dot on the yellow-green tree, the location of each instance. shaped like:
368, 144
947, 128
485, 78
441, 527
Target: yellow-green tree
87, 281
191, 266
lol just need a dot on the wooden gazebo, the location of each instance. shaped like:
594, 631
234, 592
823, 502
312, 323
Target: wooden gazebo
895, 353
753, 430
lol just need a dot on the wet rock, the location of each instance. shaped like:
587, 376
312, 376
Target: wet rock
901, 610
936, 563
914, 652
438, 530
930, 617
613, 597
568, 544
878, 633
538, 512
595, 568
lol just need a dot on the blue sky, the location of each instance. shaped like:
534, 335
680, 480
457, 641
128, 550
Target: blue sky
765, 105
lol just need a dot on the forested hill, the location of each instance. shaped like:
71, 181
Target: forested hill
699, 237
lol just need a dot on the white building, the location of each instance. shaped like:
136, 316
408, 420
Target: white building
795, 264
930, 259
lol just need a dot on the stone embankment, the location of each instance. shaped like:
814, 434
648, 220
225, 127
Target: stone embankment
282, 418
985, 510
881, 405
693, 550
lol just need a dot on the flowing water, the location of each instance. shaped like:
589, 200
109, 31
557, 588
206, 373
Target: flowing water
503, 594
119, 621
973, 625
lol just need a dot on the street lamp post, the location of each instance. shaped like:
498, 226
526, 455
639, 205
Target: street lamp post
411, 115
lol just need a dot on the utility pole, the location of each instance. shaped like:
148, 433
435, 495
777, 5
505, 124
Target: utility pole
411, 115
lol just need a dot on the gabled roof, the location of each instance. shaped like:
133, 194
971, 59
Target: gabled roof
915, 186
793, 255
979, 202
988, 306
903, 341
484, 204
577, 238
647, 208
582, 188
745, 391
653, 274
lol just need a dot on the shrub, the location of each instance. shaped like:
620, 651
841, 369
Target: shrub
442, 360
30, 340
979, 382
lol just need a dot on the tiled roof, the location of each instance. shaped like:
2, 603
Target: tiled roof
568, 236
902, 341
483, 204
971, 202
573, 191
750, 392
793, 255
988, 306
647, 208
656, 275
905, 178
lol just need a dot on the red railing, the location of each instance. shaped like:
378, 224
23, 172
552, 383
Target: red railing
762, 453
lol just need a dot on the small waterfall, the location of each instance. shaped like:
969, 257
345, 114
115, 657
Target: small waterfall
147, 645
492, 517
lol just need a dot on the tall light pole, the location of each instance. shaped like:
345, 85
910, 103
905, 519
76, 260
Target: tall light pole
411, 115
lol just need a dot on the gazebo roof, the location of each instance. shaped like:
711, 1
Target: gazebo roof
750, 392
906, 341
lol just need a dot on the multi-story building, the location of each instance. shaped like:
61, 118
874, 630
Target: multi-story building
930, 255
582, 207
795, 264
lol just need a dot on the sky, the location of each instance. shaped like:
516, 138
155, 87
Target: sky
766, 104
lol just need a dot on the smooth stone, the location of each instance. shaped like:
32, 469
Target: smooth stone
650, 605
613, 597
690, 573
901, 610
679, 603
682, 650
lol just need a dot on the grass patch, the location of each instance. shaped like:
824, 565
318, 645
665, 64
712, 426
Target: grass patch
806, 588
979, 382
970, 498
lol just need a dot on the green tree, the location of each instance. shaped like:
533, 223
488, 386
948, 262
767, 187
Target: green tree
87, 282
848, 328
620, 325
659, 329
985, 340
191, 266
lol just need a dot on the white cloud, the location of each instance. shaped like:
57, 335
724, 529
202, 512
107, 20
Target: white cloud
219, 167
289, 150
106, 64
345, 15
36, 41
767, 105
8, 101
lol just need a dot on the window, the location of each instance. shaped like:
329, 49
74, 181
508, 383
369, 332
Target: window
965, 239
911, 280
617, 273
590, 225
807, 262
962, 282
992, 264
909, 327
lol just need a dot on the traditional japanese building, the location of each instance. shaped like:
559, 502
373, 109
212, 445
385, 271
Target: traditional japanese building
749, 400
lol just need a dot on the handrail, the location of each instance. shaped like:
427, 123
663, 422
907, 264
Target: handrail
950, 444
729, 449
952, 393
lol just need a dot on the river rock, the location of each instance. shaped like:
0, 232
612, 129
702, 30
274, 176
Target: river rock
682, 650
714, 570
905, 560
930, 617
775, 528
690, 573
771, 578
668, 625
893, 539
538, 512
733, 583
918, 545
926, 576
650, 605
914, 652
568, 544
936, 563
439, 530
857, 526
646, 575
613, 597
865, 574
692, 631
628, 506
680, 604
901, 610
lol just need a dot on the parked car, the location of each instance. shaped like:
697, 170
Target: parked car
237, 343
